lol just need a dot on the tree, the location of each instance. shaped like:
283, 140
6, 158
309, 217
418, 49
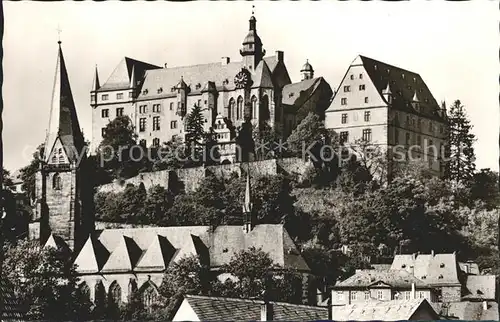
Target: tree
45, 280
118, 151
170, 156
211, 154
461, 164
268, 141
194, 135
156, 206
28, 173
7, 180
484, 188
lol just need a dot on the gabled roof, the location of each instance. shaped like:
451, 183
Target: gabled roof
231, 309
124, 257
122, 74
395, 278
297, 93
467, 311
403, 85
272, 62
262, 76
438, 269
158, 255
63, 123
480, 287
92, 256
57, 242
382, 310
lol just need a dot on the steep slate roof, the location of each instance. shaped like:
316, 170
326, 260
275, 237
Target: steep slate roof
231, 309
381, 310
141, 249
481, 287
297, 93
394, 278
122, 74
467, 311
63, 123
57, 242
435, 270
403, 84
13, 309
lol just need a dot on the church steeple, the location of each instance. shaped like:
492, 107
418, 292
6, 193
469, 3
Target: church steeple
95, 83
64, 128
252, 50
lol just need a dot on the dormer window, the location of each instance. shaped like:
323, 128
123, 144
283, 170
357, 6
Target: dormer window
145, 92
424, 277
403, 76
440, 277
403, 266
160, 90
290, 95
441, 265
198, 86
375, 67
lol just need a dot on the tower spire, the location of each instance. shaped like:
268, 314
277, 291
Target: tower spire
95, 83
63, 123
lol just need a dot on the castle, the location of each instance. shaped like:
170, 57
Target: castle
257, 88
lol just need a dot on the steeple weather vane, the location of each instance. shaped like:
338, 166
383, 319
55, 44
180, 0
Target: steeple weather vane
59, 30
253, 10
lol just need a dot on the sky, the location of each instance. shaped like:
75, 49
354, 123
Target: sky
453, 46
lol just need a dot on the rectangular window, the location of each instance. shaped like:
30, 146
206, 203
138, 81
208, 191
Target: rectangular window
367, 293
105, 97
199, 102
171, 106
103, 131
360, 76
367, 135
366, 99
119, 96
343, 101
380, 295
156, 108
407, 138
344, 136
205, 102
173, 124
92, 98
407, 295
367, 116
130, 94
362, 87
344, 118
119, 111
420, 295
156, 123
340, 296
347, 88
353, 295
352, 77
142, 124
105, 112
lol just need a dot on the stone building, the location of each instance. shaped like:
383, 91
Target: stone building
158, 99
63, 188
389, 107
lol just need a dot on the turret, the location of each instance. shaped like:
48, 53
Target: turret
416, 102
182, 93
387, 94
95, 86
307, 71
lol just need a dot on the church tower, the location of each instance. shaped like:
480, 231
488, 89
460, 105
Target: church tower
64, 192
252, 50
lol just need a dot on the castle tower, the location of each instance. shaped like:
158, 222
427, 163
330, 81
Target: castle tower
64, 193
248, 218
252, 50
307, 71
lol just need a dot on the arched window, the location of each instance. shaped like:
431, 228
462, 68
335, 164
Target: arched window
231, 109
132, 288
254, 107
239, 110
264, 113
56, 181
100, 295
149, 295
115, 293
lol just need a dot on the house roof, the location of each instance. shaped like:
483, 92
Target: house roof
467, 311
381, 310
139, 249
122, 74
231, 309
433, 269
12, 306
403, 85
480, 287
297, 93
370, 277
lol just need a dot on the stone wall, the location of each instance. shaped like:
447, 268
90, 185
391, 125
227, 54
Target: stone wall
191, 177
451, 293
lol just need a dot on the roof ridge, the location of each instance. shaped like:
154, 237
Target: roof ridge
234, 299
389, 65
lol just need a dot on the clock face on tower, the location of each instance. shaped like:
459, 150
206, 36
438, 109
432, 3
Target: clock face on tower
242, 79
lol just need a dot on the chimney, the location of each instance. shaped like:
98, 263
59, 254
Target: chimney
279, 54
165, 65
225, 60
485, 305
413, 291
432, 253
266, 311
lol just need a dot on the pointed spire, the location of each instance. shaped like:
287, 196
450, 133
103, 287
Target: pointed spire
247, 205
95, 83
63, 122
132, 78
387, 90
